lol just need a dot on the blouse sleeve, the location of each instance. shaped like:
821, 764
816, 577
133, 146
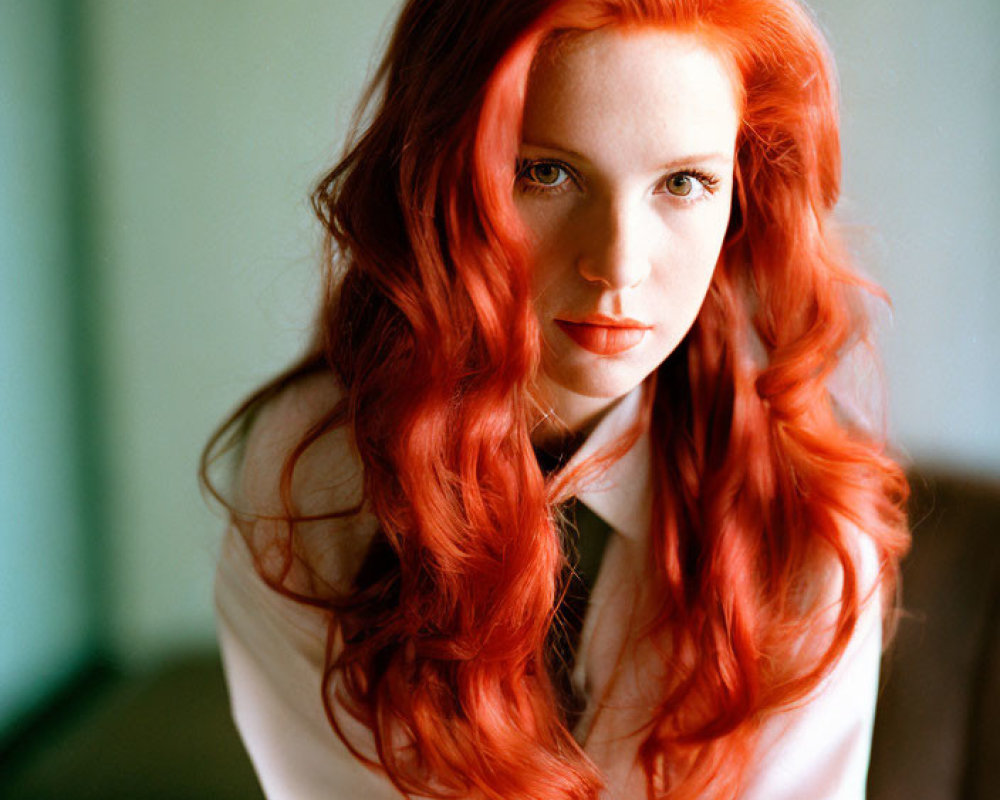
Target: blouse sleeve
273, 652
819, 750
273, 648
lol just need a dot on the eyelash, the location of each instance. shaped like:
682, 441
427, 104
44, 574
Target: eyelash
709, 182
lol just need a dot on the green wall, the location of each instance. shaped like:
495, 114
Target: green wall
211, 121
49, 603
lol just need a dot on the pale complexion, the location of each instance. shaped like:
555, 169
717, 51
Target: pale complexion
625, 180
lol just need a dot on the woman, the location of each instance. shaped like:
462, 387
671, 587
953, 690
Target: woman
583, 305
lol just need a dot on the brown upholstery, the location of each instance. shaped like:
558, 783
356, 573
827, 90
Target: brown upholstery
937, 730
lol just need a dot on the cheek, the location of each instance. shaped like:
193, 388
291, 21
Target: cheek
706, 238
550, 259
686, 266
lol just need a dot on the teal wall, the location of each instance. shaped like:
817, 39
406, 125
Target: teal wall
49, 603
921, 123
210, 122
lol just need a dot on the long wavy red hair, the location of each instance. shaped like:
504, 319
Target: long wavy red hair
762, 479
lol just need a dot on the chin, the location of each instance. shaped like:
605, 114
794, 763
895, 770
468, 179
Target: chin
603, 382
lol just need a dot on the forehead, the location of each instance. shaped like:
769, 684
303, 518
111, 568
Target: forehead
644, 92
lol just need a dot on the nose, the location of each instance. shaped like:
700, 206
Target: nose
616, 249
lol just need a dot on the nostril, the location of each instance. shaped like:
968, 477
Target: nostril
614, 243
614, 272
590, 273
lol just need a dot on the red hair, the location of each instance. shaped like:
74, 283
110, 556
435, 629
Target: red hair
761, 479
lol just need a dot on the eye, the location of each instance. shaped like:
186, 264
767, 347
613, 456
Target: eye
542, 176
681, 184
690, 185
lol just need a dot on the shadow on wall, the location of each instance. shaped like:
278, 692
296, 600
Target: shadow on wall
166, 735
937, 729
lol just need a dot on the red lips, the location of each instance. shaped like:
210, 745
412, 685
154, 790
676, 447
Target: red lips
603, 335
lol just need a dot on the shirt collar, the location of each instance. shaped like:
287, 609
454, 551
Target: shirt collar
622, 493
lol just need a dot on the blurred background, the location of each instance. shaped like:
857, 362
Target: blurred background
158, 261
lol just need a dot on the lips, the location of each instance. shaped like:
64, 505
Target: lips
604, 336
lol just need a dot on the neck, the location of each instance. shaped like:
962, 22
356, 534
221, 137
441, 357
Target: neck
565, 421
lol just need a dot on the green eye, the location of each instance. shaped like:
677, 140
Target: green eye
546, 174
690, 185
681, 184
543, 175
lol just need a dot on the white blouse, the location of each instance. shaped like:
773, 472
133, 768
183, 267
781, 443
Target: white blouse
273, 654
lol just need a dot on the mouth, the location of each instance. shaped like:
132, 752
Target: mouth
603, 335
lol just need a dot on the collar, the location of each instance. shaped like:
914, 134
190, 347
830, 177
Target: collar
622, 493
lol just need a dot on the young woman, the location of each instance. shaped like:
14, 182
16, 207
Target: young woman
561, 503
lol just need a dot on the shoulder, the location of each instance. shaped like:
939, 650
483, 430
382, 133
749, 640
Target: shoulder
843, 582
275, 427
817, 747
858, 566
324, 491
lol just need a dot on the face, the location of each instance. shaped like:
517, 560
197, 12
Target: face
625, 177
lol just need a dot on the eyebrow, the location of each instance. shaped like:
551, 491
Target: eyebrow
700, 158
720, 158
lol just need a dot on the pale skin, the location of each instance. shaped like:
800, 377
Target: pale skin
625, 183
